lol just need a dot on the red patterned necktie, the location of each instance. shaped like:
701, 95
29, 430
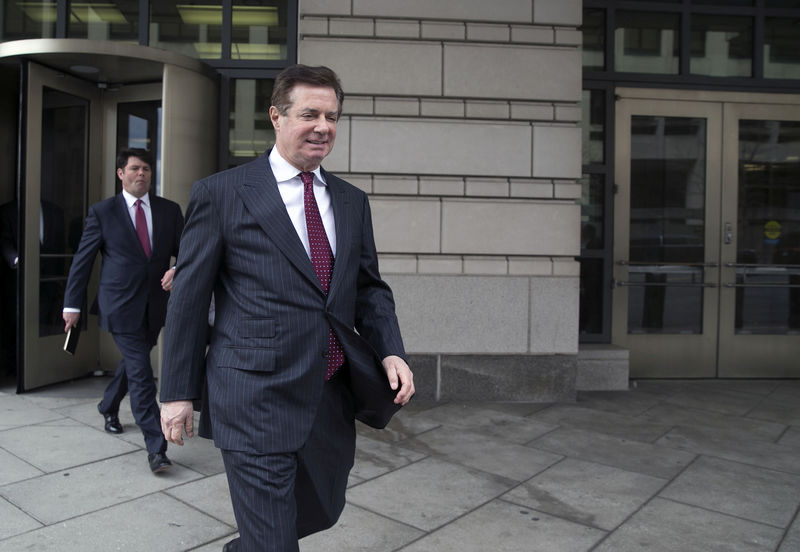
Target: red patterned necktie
141, 228
322, 260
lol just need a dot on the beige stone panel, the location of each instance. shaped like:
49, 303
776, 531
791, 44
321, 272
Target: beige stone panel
498, 227
397, 29
556, 152
439, 147
566, 267
313, 26
533, 35
441, 186
441, 108
397, 106
338, 160
532, 112
351, 27
567, 190
572, 37
558, 12
416, 67
441, 30
532, 188
358, 105
568, 113
530, 266
554, 315
485, 265
360, 181
488, 33
487, 110
325, 7
463, 314
397, 264
440, 264
396, 185
494, 187
512, 72
406, 225
464, 10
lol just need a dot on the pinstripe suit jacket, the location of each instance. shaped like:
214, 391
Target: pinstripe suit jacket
266, 362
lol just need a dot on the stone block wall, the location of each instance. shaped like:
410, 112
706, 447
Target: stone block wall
461, 122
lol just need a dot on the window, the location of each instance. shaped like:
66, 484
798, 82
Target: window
28, 19
646, 42
104, 20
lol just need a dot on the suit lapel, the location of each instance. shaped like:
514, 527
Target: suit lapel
344, 229
158, 224
259, 192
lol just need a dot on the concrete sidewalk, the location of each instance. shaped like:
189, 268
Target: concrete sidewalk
669, 465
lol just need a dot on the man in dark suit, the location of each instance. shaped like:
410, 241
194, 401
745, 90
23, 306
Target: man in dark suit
137, 233
300, 314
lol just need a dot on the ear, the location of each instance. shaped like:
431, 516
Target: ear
274, 117
120, 172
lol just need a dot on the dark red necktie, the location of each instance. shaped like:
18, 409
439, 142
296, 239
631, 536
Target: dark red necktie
141, 228
322, 260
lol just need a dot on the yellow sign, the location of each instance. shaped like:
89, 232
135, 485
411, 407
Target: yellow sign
772, 229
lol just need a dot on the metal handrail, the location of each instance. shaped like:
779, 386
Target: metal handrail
624, 262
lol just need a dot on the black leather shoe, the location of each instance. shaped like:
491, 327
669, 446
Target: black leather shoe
112, 421
158, 462
231, 546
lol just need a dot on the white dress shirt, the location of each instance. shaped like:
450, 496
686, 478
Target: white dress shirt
130, 200
291, 189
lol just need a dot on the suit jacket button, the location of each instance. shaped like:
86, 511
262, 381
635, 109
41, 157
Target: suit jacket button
325, 353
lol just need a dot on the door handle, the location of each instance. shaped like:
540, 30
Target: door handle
728, 239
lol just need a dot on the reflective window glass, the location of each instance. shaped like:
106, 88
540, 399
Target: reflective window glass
721, 46
104, 20
646, 42
781, 48
64, 174
590, 317
250, 132
593, 125
594, 39
667, 224
768, 228
192, 28
259, 29
28, 19
592, 212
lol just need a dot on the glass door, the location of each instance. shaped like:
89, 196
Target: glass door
707, 234
760, 314
61, 144
666, 246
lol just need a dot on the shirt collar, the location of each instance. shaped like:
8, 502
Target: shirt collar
284, 171
130, 199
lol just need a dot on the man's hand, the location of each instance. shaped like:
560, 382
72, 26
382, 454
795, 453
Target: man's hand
166, 280
70, 320
400, 377
177, 417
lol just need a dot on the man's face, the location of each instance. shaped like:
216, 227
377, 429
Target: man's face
135, 177
305, 135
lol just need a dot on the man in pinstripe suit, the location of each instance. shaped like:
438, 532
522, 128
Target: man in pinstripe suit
284, 423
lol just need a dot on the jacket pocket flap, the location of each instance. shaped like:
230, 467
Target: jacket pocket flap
251, 359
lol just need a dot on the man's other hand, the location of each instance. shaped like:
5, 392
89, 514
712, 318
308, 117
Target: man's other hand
177, 417
400, 377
